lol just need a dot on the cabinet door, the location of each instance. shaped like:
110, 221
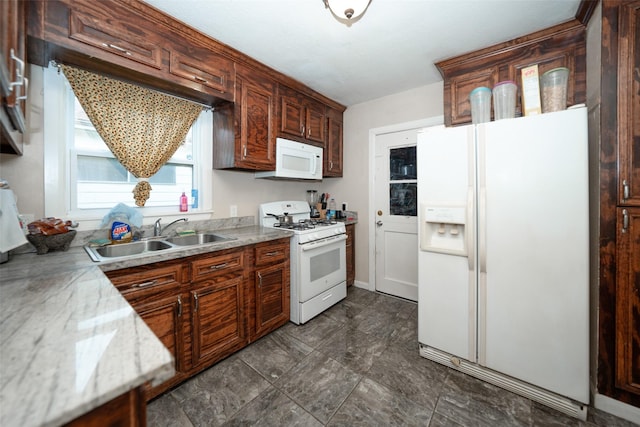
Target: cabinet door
292, 116
628, 300
271, 299
217, 319
12, 70
629, 103
315, 121
458, 88
256, 99
332, 166
351, 254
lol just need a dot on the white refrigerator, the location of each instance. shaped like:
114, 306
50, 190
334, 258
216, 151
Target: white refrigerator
504, 254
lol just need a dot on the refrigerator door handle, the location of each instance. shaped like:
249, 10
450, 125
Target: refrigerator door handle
469, 231
482, 230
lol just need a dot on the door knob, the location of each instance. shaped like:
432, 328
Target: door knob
379, 223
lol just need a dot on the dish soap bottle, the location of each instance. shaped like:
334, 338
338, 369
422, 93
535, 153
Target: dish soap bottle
184, 203
331, 209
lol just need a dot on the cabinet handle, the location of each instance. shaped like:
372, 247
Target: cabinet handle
259, 280
218, 267
309, 131
625, 221
625, 190
200, 79
245, 151
179, 306
274, 253
118, 48
195, 301
25, 90
302, 130
145, 284
330, 165
19, 71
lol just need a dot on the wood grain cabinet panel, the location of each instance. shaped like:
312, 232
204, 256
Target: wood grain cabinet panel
217, 319
271, 290
333, 148
629, 103
351, 254
126, 410
302, 118
13, 64
205, 71
244, 132
628, 300
563, 45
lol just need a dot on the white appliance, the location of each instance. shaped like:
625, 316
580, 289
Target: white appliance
318, 258
295, 160
504, 254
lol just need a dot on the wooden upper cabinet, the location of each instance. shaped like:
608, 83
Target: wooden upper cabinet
133, 42
13, 68
563, 45
301, 118
332, 162
629, 103
244, 133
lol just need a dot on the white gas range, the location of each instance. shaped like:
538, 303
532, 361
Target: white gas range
318, 258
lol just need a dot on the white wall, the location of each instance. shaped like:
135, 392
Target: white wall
415, 104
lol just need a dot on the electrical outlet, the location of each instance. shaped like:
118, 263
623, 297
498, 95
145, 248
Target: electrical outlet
233, 211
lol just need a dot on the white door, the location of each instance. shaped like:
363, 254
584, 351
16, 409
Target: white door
395, 212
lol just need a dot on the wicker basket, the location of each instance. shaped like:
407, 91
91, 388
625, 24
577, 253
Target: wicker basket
54, 242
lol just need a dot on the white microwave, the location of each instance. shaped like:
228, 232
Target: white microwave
295, 160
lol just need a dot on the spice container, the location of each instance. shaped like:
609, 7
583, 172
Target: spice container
504, 100
480, 99
554, 89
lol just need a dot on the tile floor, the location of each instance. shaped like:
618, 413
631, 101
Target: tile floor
355, 364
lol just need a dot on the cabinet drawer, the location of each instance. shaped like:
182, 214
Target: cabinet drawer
270, 253
208, 71
135, 283
217, 266
115, 39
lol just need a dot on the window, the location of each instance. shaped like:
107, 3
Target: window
94, 181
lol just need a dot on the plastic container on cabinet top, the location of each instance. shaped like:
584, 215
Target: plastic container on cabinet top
480, 99
553, 86
504, 100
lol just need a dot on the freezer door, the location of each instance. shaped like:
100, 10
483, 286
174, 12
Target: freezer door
533, 250
446, 270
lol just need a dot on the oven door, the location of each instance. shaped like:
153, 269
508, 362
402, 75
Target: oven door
322, 265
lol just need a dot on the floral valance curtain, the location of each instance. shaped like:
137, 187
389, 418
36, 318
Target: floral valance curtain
143, 128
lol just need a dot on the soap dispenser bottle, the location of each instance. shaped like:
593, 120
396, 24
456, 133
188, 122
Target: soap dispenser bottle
184, 203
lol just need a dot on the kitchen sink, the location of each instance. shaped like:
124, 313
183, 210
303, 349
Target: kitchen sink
198, 239
142, 247
126, 249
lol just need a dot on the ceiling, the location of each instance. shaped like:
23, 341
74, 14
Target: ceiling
392, 48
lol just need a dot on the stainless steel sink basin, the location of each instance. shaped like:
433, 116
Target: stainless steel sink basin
126, 249
198, 239
142, 247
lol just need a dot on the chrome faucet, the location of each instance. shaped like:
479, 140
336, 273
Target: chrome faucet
157, 228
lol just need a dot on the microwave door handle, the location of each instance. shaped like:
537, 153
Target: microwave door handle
313, 164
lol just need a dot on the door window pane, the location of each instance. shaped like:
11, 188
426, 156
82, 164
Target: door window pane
403, 199
402, 163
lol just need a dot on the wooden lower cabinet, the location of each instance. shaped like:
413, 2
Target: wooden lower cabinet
351, 254
206, 307
218, 326
271, 290
126, 410
628, 300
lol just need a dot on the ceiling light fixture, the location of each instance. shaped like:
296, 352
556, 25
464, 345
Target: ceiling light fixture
347, 11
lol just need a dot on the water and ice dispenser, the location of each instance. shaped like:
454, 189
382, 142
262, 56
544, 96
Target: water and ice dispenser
444, 229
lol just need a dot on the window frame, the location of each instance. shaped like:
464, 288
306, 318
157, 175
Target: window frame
59, 158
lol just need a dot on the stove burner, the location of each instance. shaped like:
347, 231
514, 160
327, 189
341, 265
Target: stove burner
303, 224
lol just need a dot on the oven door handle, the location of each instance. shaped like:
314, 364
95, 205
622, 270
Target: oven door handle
323, 242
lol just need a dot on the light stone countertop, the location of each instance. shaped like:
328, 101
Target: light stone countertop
69, 342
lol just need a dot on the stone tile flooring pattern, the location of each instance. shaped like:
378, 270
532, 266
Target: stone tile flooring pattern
356, 364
